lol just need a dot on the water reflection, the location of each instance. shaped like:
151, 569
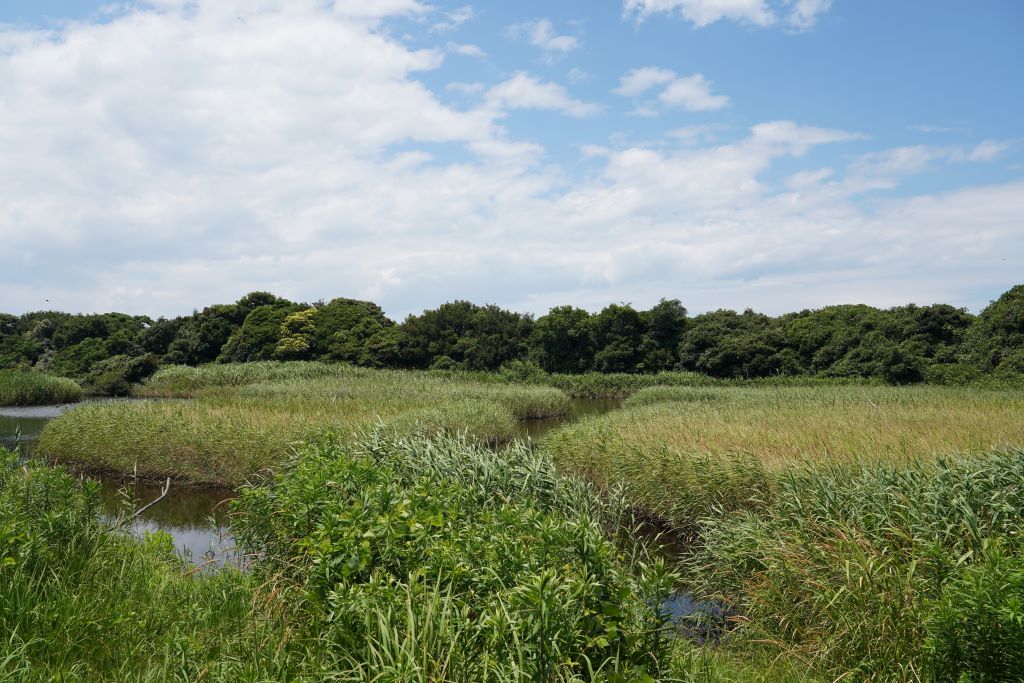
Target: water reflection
25, 424
579, 408
196, 519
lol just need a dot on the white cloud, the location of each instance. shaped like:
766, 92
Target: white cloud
578, 75
900, 161
988, 150
454, 19
466, 50
524, 91
704, 12
466, 88
804, 14
170, 159
801, 15
639, 81
692, 93
541, 34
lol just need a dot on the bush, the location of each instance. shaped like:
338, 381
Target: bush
432, 559
116, 375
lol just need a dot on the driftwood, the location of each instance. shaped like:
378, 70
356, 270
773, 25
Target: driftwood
163, 494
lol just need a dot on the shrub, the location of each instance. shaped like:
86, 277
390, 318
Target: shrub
433, 559
116, 375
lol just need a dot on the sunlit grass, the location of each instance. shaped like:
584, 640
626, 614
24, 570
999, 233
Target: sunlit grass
22, 388
241, 420
682, 452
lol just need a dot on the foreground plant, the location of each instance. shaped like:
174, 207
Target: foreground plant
890, 573
434, 559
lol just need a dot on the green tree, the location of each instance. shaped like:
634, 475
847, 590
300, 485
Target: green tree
562, 341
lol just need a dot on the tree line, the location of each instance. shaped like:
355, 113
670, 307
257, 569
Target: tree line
906, 344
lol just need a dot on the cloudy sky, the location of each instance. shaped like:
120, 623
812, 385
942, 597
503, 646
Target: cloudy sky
162, 155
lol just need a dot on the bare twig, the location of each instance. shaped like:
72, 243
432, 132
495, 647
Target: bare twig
163, 494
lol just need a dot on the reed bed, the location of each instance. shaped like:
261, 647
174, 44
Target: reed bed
240, 422
683, 453
893, 572
25, 388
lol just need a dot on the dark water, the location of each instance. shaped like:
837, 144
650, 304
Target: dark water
196, 519
24, 425
578, 408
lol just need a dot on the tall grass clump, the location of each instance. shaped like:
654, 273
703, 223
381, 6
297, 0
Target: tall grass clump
240, 421
26, 388
912, 572
430, 559
184, 381
679, 460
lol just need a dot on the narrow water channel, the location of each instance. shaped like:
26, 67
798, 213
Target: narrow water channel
196, 518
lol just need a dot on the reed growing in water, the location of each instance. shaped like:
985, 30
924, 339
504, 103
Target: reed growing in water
242, 419
26, 388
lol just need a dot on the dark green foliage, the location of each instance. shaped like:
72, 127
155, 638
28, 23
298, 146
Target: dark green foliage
903, 345
115, 376
996, 339
474, 337
562, 340
729, 344
355, 332
618, 334
259, 335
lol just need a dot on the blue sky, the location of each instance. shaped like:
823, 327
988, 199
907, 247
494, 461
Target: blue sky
779, 154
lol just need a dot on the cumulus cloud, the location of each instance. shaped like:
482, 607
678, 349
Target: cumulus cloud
183, 154
692, 93
524, 91
542, 35
794, 14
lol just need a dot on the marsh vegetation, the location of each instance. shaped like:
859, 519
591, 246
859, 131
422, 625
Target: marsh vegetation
23, 388
392, 525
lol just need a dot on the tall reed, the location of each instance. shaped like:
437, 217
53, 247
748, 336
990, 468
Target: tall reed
27, 388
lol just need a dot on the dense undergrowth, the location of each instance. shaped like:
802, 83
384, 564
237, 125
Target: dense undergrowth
886, 573
23, 388
386, 559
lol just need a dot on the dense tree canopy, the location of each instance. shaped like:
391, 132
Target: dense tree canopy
899, 345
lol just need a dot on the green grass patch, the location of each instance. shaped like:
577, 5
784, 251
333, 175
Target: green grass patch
26, 388
244, 418
725, 449
911, 572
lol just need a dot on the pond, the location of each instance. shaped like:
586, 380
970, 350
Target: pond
196, 518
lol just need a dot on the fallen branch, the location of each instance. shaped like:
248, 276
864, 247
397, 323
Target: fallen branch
163, 494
